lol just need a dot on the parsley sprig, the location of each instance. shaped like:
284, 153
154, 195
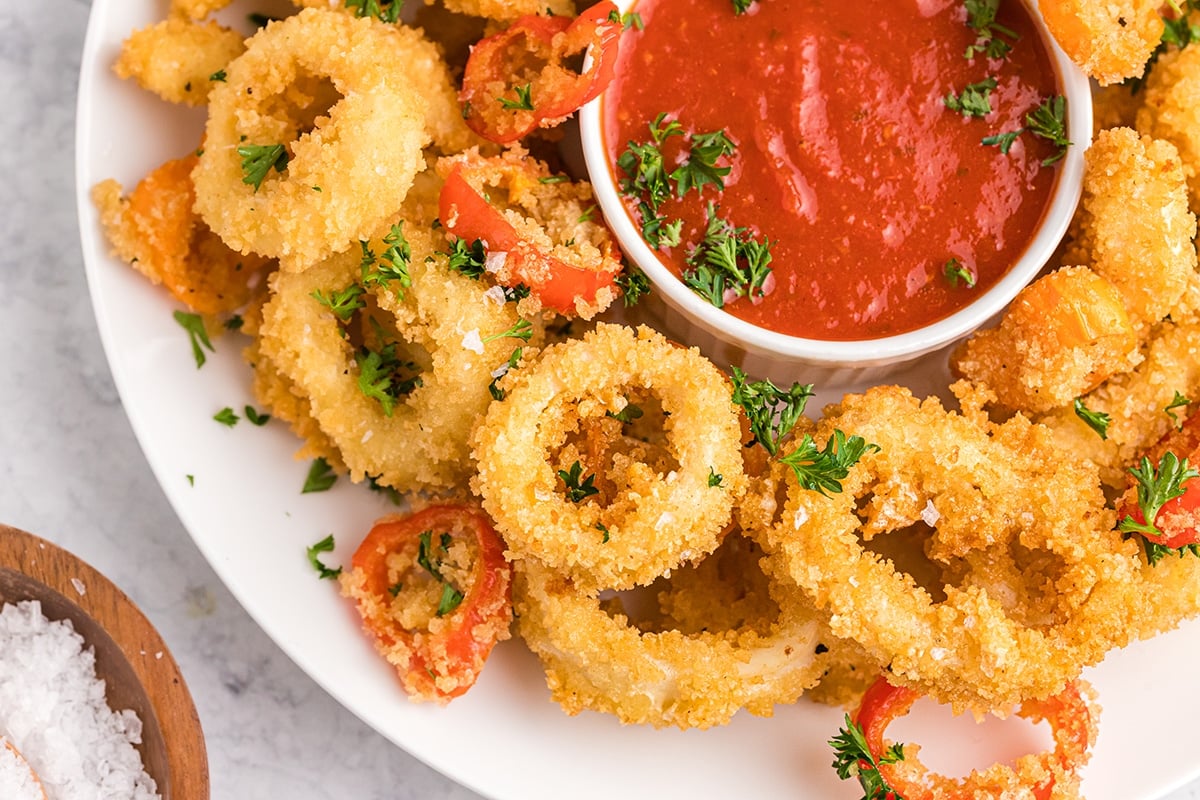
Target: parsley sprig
342, 303
494, 387
194, 325
524, 101
956, 272
728, 259
853, 759
385, 377
314, 558
259, 159
392, 265
634, 285
1178, 401
974, 100
1047, 121
382, 10
469, 259
1156, 486
823, 470
772, 411
578, 486
320, 478
981, 17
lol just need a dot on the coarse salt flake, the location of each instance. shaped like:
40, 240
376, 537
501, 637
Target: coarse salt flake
494, 262
79, 586
496, 295
929, 514
366, 437
473, 341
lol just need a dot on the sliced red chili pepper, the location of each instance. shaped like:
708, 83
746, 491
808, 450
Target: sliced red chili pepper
434, 592
468, 215
523, 78
1068, 713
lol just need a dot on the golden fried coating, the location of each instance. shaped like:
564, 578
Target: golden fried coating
1061, 337
649, 517
509, 10
196, 9
1136, 404
158, 233
1110, 40
1171, 111
322, 86
179, 60
1134, 227
1019, 579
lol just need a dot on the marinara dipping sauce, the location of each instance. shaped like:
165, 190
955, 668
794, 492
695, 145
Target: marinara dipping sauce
880, 203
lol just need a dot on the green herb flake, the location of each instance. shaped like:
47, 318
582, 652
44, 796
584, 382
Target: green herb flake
524, 101
823, 470
1178, 401
314, 558
771, 411
1096, 420
853, 759
714, 478
255, 417
320, 477
956, 273
259, 159
577, 489
194, 325
226, 417
974, 100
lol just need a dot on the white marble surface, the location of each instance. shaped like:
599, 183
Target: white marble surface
71, 471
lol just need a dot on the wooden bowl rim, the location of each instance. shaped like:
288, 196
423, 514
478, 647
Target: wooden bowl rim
145, 652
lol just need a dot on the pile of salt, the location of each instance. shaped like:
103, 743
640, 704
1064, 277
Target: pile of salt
53, 709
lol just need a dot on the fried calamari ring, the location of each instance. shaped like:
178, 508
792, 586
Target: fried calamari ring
1035, 582
692, 678
158, 233
347, 174
179, 60
652, 519
1171, 111
1110, 41
538, 230
509, 10
1062, 336
1133, 227
1052, 775
400, 415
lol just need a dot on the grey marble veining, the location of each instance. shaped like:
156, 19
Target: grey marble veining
71, 471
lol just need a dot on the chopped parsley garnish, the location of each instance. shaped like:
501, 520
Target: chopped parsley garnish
630, 19
823, 470
514, 294
234, 323
646, 179
974, 100
1156, 486
741, 6
577, 489
259, 159
714, 478
523, 102
494, 387
469, 259
382, 10
633, 284
956, 273
627, 414
226, 417
588, 215
343, 304
981, 17
392, 265
191, 479
396, 588
772, 412
389, 492
427, 557
556, 178
523, 330
1178, 401
256, 418
384, 377
604, 533
320, 477
1096, 420
728, 260
1047, 121
853, 759
194, 325
218, 77
314, 558
701, 168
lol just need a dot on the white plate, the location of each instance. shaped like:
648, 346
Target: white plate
505, 739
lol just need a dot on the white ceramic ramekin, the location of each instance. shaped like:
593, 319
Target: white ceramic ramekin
686, 317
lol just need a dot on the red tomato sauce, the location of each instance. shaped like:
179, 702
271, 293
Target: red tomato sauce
847, 158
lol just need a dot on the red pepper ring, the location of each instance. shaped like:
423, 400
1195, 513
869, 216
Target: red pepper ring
441, 659
530, 61
557, 284
1072, 725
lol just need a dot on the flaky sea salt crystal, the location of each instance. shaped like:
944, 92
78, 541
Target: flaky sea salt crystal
473, 341
79, 587
930, 514
53, 709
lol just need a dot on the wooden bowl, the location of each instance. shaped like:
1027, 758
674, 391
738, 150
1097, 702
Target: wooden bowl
138, 671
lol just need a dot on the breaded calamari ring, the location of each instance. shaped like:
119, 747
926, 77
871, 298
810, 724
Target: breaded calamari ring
158, 233
1133, 227
1135, 404
419, 441
653, 519
1037, 582
1110, 40
179, 60
196, 9
1062, 336
509, 10
347, 174
691, 678
1171, 111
